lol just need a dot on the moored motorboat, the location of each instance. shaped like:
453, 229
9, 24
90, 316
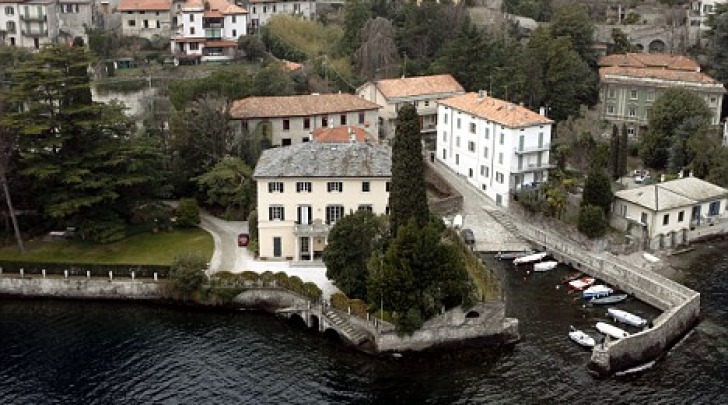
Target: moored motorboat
611, 330
612, 299
581, 338
597, 291
626, 317
581, 283
530, 258
512, 255
545, 266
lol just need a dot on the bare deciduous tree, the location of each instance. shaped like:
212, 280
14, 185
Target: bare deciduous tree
377, 56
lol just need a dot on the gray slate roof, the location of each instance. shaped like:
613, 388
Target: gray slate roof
326, 160
673, 194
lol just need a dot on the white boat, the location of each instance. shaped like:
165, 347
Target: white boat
611, 330
597, 291
530, 258
545, 266
626, 317
581, 283
581, 338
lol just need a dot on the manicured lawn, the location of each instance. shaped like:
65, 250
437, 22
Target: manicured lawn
145, 248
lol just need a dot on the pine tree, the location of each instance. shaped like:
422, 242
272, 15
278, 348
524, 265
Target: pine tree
407, 195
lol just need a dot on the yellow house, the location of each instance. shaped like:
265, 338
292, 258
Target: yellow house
304, 189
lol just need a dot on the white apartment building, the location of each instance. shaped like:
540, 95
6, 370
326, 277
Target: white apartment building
208, 30
423, 92
145, 18
262, 10
28, 23
498, 146
289, 120
304, 189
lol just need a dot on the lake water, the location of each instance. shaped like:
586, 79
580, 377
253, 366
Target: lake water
78, 352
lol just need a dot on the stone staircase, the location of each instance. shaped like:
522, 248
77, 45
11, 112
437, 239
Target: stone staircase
506, 221
356, 336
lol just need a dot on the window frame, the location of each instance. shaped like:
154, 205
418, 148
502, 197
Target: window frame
334, 186
276, 187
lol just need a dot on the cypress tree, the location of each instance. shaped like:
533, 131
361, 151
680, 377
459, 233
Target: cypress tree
407, 196
623, 151
614, 153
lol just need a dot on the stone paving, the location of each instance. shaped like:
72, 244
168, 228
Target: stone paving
490, 235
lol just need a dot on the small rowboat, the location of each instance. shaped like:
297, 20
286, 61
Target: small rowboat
545, 266
581, 283
530, 258
581, 338
597, 291
612, 299
611, 330
626, 317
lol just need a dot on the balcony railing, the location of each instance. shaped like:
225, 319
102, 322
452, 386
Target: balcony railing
534, 167
314, 229
29, 18
35, 33
531, 149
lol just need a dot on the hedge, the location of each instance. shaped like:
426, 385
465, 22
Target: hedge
80, 269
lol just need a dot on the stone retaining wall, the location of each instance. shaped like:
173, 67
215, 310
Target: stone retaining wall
80, 288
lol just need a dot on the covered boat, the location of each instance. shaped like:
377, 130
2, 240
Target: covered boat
530, 258
611, 330
626, 317
581, 283
512, 255
597, 291
545, 266
612, 299
581, 338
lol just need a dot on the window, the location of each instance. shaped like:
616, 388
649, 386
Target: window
471, 146
630, 131
304, 214
276, 212
234, 20
502, 138
11, 27
713, 100
194, 46
365, 186
610, 109
458, 123
643, 218
303, 187
265, 9
472, 127
192, 30
324, 121
334, 213
482, 170
342, 119
457, 141
650, 95
9, 10
444, 136
286, 125
146, 23
632, 111
611, 93
487, 133
131, 23
666, 219
633, 94
334, 187
457, 159
680, 216
499, 177
286, 142
500, 158
427, 103
444, 118
361, 118
387, 186
365, 207
275, 187
306, 123
192, 18
235, 33
159, 25
485, 152
714, 208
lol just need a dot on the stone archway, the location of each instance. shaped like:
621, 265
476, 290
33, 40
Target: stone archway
297, 320
472, 314
657, 46
333, 335
314, 322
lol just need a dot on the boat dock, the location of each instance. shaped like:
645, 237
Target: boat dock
680, 305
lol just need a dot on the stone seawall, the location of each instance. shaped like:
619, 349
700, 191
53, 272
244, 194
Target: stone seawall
84, 288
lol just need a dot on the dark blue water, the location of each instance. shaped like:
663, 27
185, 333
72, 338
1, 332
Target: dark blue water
117, 353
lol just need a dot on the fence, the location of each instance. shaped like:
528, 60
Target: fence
83, 269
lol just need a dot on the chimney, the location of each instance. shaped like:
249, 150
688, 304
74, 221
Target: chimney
482, 94
352, 135
542, 111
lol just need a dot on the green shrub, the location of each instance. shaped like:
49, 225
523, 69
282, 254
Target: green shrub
267, 277
410, 322
359, 308
592, 222
312, 291
188, 212
188, 272
340, 301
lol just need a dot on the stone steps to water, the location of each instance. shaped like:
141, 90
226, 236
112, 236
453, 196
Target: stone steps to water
506, 221
354, 334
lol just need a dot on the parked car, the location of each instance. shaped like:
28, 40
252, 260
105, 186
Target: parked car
243, 239
468, 236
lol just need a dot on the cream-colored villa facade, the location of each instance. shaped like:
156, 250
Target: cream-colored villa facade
422, 91
669, 214
304, 189
289, 120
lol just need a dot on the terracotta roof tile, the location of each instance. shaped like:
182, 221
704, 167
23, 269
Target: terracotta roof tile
293, 106
613, 73
651, 60
144, 5
497, 110
418, 86
342, 135
222, 6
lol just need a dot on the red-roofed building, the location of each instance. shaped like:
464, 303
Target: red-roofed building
422, 91
630, 83
146, 18
343, 134
499, 147
208, 30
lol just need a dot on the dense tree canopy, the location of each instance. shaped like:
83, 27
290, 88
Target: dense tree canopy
598, 190
229, 185
407, 194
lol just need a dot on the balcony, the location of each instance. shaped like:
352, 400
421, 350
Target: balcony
212, 25
317, 228
531, 149
32, 18
35, 33
533, 167
213, 33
